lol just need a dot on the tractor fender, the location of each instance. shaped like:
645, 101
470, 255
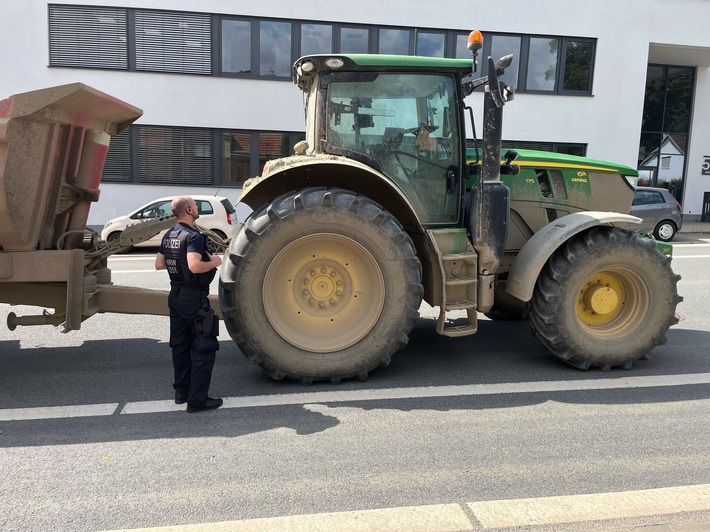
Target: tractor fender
534, 254
322, 170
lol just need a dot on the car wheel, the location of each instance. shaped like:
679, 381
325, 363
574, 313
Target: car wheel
665, 231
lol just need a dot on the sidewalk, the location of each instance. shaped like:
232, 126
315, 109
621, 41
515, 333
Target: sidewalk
695, 227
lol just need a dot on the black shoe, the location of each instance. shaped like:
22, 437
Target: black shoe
209, 404
181, 394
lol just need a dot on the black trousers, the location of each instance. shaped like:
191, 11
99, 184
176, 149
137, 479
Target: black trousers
193, 355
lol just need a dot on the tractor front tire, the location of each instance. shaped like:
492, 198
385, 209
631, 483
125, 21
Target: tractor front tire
322, 284
606, 298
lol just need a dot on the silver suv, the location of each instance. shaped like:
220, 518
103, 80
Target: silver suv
659, 210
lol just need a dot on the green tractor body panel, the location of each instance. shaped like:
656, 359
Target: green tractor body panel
552, 185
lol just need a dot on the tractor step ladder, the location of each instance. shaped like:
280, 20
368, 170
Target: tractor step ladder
459, 283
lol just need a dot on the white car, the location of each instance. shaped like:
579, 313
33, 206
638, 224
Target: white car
216, 214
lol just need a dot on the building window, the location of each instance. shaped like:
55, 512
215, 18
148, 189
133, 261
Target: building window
174, 155
88, 37
316, 39
556, 147
272, 146
236, 46
502, 45
579, 150
394, 41
461, 47
173, 42
665, 127
354, 40
117, 168
577, 65
275, 49
167, 155
236, 166
182, 42
542, 64
430, 44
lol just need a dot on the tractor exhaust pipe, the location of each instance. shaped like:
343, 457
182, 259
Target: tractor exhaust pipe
491, 198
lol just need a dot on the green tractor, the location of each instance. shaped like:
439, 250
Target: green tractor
383, 206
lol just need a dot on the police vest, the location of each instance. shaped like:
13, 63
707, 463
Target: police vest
174, 247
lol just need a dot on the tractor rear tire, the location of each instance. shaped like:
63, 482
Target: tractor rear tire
322, 284
606, 298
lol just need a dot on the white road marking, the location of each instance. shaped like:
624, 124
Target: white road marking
490, 514
255, 401
676, 257
57, 412
690, 244
350, 396
435, 517
593, 507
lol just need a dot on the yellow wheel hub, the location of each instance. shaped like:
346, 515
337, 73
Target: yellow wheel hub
323, 292
600, 299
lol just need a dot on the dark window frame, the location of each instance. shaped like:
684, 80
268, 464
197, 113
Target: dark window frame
54, 54
450, 41
563, 67
294, 46
132, 161
524, 65
443, 33
338, 33
554, 147
151, 52
253, 43
379, 27
298, 34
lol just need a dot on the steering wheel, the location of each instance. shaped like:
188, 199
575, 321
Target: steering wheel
408, 172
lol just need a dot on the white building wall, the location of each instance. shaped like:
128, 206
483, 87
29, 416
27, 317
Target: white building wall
608, 122
696, 183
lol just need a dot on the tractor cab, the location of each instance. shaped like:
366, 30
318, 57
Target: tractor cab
401, 116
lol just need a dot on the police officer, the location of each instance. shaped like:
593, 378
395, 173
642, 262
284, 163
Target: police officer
193, 325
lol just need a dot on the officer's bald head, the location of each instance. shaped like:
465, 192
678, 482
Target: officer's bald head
179, 206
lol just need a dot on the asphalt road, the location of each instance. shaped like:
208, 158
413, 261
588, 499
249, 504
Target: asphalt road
90, 439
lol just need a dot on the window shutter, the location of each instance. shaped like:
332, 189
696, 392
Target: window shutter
174, 155
542, 146
87, 37
118, 161
173, 42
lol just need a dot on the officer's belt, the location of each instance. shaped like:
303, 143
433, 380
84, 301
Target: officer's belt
187, 291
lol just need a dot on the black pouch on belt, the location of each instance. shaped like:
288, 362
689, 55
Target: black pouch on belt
206, 323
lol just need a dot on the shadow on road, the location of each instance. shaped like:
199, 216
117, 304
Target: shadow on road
123, 371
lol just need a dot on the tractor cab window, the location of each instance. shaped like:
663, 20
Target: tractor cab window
407, 124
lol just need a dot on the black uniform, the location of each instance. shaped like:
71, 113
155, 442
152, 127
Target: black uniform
193, 346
